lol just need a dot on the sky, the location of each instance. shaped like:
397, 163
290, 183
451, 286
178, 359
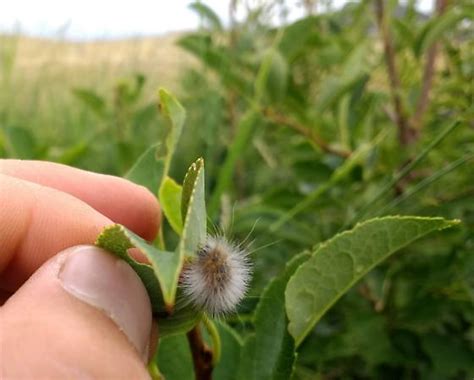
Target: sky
99, 19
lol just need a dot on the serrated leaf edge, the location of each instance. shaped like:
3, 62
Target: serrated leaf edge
194, 168
200, 163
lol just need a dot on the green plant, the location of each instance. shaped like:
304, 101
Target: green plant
312, 132
290, 305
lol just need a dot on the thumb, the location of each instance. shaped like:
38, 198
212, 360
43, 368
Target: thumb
84, 313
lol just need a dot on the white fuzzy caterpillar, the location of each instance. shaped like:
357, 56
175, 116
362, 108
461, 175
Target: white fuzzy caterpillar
218, 278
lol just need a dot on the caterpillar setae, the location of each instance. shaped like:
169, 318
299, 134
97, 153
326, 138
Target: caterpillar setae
217, 279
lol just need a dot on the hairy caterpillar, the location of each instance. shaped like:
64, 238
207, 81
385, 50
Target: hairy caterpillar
218, 278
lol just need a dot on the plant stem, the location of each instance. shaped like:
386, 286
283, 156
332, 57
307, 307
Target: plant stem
215, 338
245, 128
428, 73
201, 353
365, 291
232, 96
278, 118
405, 133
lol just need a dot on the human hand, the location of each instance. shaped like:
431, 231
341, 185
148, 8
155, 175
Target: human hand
82, 313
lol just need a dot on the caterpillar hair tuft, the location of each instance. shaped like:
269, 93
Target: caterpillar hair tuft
218, 277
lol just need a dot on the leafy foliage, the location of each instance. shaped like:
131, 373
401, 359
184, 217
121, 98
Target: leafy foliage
274, 351
300, 134
292, 303
340, 262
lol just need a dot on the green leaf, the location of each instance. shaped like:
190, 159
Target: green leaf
334, 87
193, 206
278, 77
449, 354
165, 265
357, 62
222, 60
148, 170
245, 129
424, 183
365, 332
339, 263
115, 240
207, 14
188, 186
274, 353
436, 27
246, 368
70, 155
183, 318
404, 31
174, 358
355, 72
298, 36
93, 101
144, 116
170, 201
339, 174
20, 143
152, 167
231, 342
176, 115
272, 77
406, 169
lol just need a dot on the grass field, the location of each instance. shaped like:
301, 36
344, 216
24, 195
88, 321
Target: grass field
38, 76
30, 61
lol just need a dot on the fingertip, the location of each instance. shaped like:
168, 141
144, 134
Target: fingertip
149, 211
134, 206
35, 223
120, 200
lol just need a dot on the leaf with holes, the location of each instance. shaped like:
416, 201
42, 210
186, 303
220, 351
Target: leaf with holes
151, 168
148, 169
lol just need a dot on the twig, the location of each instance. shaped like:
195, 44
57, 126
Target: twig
365, 291
405, 133
202, 355
232, 95
279, 118
428, 73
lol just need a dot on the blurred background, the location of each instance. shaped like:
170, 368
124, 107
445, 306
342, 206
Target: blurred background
311, 116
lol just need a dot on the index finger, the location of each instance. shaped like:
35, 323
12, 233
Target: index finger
118, 199
37, 222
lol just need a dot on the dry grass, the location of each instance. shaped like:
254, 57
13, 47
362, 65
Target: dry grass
37, 77
63, 64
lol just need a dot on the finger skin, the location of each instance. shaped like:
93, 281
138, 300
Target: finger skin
120, 200
49, 334
36, 222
